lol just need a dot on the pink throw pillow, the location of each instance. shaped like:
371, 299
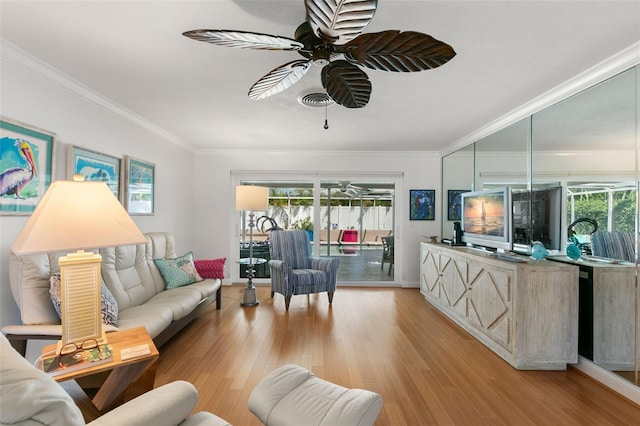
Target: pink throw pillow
211, 268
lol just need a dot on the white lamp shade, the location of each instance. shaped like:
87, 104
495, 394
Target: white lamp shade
252, 198
77, 216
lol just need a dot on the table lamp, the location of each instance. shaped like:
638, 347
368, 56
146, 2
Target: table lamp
251, 199
76, 215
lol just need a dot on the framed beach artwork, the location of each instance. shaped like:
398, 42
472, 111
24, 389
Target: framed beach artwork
454, 203
139, 186
26, 166
94, 166
422, 204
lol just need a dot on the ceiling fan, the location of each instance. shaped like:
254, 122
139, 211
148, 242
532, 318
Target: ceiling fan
331, 37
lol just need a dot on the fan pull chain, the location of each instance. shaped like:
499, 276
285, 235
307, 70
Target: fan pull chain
326, 122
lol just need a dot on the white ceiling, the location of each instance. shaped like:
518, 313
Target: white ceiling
133, 53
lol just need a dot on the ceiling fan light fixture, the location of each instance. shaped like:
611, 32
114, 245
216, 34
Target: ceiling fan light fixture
321, 57
315, 98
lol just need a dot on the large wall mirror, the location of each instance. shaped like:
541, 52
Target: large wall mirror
583, 153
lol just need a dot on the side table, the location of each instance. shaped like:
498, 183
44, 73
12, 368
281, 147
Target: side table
125, 379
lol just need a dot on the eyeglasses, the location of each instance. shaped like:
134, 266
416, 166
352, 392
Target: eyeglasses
72, 347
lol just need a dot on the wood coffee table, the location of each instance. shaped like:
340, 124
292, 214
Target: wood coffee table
117, 381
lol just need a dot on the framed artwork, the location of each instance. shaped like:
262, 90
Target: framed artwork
26, 166
139, 186
454, 204
94, 166
422, 204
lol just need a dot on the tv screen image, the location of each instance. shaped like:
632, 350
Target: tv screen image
484, 214
486, 218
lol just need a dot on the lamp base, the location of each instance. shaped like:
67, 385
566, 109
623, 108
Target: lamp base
80, 297
250, 298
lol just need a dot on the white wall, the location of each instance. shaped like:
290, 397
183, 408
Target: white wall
216, 218
30, 95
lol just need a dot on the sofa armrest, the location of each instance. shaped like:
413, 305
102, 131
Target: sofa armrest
167, 405
47, 331
19, 334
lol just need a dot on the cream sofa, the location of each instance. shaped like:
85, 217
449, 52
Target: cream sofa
130, 274
30, 397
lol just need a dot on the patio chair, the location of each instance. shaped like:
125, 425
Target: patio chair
372, 237
294, 271
387, 252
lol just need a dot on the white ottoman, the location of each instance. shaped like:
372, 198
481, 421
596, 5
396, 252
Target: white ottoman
292, 395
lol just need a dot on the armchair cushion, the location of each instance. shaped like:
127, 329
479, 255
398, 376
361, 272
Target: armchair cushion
292, 395
309, 281
292, 246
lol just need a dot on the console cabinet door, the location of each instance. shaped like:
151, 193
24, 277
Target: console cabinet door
490, 299
429, 273
453, 288
613, 318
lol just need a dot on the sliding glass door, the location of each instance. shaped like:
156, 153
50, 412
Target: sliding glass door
352, 220
357, 218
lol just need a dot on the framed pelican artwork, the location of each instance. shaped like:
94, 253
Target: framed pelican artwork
26, 166
94, 166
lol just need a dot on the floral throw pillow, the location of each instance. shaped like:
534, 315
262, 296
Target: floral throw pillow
211, 268
178, 272
108, 302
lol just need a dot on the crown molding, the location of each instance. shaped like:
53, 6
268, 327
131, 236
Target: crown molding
281, 152
17, 57
621, 61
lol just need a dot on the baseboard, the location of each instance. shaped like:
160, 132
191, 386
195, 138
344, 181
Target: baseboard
609, 379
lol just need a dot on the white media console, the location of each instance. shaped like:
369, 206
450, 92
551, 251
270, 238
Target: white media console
526, 312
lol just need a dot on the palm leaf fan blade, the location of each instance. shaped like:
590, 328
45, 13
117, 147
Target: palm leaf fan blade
397, 51
346, 84
279, 79
338, 21
244, 39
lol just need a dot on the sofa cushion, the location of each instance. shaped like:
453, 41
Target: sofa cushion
29, 396
108, 302
211, 268
180, 300
206, 287
126, 273
155, 318
179, 271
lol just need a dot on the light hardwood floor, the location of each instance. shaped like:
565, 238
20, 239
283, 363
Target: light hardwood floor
391, 341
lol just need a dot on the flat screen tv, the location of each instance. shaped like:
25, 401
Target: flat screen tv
486, 218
